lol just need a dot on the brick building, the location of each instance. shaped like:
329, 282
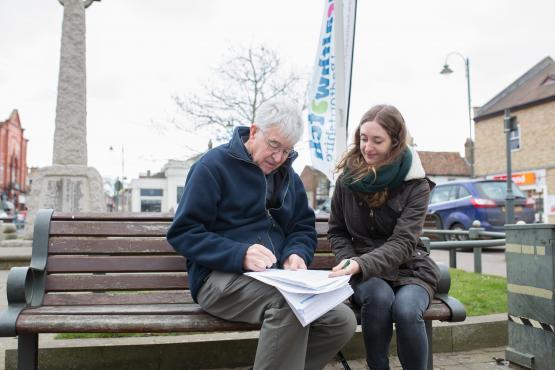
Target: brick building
441, 167
13, 163
531, 98
316, 185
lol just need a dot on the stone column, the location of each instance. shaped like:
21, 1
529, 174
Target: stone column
70, 136
69, 185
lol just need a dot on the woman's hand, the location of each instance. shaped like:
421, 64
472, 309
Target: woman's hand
345, 267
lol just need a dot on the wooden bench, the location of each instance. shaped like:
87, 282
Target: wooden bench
116, 273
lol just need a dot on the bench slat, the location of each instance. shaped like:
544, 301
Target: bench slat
323, 246
116, 263
322, 229
108, 228
322, 262
125, 324
159, 263
82, 245
436, 310
113, 227
116, 282
118, 216
101, 298
176, 309
125, 245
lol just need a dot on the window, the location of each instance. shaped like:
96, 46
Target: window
152, 192
463, 192
441, 194
149, 205
448, 193
549, 80
497, 190
514, 139
179, 193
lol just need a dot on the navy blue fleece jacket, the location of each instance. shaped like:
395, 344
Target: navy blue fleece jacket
223, 211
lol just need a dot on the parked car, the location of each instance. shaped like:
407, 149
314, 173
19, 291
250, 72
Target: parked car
459, 203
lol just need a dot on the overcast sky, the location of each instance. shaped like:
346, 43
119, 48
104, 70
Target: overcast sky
140, 53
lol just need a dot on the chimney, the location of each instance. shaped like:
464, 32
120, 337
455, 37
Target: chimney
468, 150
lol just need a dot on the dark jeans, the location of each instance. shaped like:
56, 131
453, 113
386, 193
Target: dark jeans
381, 306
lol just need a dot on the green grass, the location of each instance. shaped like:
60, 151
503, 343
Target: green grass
480, 294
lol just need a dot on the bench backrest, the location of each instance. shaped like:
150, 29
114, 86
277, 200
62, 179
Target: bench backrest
107, 258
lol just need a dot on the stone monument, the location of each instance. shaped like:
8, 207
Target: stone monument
69, 184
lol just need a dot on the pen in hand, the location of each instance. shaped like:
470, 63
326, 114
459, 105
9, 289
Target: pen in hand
345, 267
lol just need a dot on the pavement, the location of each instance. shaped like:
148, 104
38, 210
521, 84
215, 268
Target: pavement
482, 358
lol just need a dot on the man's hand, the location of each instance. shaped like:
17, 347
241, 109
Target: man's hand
294, 262
345, 267
258, 258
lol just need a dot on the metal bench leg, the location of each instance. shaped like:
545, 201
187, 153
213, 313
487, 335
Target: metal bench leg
453, 258
27, 351
430, 349
343, 361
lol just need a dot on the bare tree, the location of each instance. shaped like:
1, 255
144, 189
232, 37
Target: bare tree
245, 80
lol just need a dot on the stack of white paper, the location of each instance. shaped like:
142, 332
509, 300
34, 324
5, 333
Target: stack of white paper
310, 293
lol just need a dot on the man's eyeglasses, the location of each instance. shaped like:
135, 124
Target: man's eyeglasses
276, 147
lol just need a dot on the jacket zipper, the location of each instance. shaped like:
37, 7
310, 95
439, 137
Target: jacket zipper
267, 209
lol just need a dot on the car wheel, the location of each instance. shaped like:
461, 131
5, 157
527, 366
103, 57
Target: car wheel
457, 227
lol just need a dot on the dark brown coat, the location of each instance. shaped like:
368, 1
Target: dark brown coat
385, 240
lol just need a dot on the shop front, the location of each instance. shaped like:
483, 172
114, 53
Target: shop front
532, 183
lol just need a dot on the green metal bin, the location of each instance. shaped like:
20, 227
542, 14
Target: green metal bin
530, 289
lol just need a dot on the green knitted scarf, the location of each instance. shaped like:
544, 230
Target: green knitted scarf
388, 176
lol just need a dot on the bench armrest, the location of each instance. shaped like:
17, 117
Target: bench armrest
444, 283
19, 290
458, 312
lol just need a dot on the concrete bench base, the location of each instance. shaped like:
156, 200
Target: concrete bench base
228, 350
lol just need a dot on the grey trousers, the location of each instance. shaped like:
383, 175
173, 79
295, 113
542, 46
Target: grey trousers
283, 343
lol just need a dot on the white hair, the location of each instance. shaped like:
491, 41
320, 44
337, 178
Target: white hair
282, 113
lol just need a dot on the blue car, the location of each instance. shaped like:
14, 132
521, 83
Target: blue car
459, 203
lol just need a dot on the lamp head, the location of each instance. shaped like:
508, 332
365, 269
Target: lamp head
446, 70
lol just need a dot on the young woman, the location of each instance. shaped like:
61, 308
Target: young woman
377, 212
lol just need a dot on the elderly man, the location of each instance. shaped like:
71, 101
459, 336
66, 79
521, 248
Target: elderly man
245, 209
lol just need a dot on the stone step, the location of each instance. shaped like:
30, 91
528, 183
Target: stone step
14, 253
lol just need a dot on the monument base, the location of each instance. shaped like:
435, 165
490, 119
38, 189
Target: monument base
66, 188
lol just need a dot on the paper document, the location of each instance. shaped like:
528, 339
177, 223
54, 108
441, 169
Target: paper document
309, 293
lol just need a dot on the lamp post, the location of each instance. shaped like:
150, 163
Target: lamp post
445, 71
510, 125
122, 161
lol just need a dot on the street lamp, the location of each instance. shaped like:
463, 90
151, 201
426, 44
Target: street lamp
445, 71
112, 149
510, 125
